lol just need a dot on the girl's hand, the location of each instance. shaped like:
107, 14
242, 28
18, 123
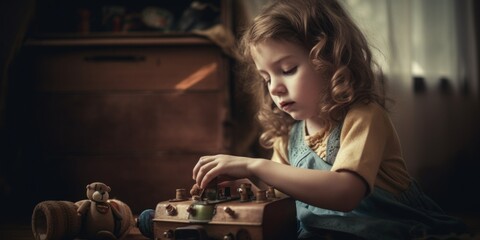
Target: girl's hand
230, 167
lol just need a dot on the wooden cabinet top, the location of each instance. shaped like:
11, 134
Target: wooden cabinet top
123, 22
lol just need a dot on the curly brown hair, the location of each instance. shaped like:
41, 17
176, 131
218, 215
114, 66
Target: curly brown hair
338, 50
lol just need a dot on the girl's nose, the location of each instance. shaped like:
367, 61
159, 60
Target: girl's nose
277, 88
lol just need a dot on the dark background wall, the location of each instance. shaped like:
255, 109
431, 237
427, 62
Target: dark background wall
13, 19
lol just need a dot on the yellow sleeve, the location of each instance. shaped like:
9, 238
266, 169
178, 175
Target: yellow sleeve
362, 142
280, 155
280, 151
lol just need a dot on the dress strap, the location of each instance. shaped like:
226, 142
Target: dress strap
333, 144
297, 149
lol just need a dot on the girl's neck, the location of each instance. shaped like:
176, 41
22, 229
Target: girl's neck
314, 126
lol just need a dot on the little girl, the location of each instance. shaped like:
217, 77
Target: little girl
335, 149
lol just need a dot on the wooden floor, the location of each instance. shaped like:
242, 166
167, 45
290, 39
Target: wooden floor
24, 232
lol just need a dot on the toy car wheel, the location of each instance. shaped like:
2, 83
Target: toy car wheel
52, 220
145, 223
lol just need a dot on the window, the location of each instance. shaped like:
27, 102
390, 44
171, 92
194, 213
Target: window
428, 39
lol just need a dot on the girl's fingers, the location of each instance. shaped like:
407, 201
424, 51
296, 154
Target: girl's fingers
205, 171
209, 175
202, 161
209, 167
195, 190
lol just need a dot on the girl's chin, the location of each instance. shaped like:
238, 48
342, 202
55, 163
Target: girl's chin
297, 116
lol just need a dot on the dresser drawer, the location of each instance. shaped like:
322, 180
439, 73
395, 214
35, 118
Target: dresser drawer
134, 68
107, 123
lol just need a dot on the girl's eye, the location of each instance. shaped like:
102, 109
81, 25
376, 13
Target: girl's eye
290, 71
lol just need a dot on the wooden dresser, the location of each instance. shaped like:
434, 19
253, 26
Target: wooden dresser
134, 110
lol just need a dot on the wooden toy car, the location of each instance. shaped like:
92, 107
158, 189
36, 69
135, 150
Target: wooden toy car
218, 214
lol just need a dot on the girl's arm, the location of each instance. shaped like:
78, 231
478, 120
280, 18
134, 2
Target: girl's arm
340, 191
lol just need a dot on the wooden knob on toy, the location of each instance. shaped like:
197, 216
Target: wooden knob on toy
181, 194
261, 195
229, 211
171, 210
271, 192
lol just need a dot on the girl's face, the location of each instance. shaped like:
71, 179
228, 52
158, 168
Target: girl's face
292, 81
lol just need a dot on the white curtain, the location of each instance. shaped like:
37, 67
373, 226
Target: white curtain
429, 40
432, 39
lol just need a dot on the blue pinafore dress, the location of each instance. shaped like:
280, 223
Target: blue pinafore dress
381, 215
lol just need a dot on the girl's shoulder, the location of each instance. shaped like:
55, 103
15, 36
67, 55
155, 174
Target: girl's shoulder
367, 115
366, 111
371, 108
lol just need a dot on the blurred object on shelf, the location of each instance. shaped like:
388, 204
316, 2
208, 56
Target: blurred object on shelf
132, 22
199, 16
84, 20
157, 18
112, 18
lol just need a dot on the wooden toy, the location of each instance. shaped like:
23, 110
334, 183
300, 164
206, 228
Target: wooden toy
218, 214
96, 217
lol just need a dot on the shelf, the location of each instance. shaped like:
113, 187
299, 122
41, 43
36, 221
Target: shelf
117, 39
88, 19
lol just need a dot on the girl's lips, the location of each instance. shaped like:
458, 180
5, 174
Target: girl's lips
286, 105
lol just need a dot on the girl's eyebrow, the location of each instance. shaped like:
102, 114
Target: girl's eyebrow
282, 59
